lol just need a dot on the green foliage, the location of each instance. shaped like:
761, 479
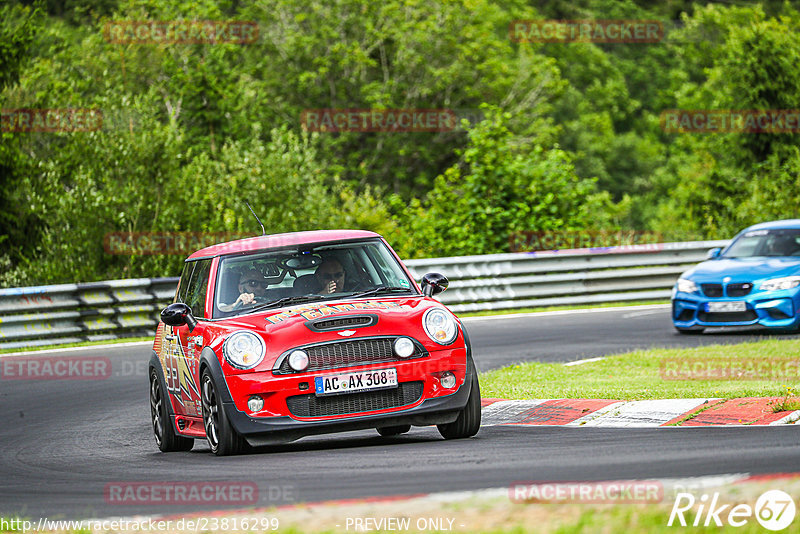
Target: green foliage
571, 138
504, 184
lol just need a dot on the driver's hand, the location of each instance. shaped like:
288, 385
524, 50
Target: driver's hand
331, 287
246, 298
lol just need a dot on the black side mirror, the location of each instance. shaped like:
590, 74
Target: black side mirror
713, 253
178, 314
433, 284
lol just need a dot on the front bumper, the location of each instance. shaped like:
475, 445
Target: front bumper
275, 423
776, 309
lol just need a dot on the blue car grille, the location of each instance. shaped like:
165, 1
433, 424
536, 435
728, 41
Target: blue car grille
715, 291
712, 290
738, 290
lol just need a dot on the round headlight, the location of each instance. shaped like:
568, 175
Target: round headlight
298, 360
244, 349
404, 347
440, 326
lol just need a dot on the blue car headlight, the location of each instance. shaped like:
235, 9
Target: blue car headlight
777, 284
686, 286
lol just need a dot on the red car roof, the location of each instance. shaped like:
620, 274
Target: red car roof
281, 240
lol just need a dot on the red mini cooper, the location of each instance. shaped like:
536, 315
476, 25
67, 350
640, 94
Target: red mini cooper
273, 338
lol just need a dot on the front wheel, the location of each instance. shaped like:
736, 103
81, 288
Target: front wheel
469, 418
221, 436
166, 438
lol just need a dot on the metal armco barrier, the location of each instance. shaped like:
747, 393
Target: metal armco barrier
69, 313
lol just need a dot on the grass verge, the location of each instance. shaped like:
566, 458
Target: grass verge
645, 374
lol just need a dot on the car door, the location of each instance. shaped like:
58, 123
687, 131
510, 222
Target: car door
184, 347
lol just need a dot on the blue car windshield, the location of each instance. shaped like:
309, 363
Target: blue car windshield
760, 243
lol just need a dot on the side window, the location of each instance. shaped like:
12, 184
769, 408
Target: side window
197, 287
183, 284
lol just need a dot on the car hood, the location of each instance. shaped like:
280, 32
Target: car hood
287, 328
743, 269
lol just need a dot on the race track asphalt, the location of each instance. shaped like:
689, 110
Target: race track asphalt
64, 441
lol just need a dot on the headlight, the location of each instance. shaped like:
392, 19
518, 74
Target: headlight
686, 286
244, 349
776, 284
440, 326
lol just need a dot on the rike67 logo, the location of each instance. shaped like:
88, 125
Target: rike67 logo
774, 510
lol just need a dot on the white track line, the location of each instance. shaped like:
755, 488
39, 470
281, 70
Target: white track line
77, 349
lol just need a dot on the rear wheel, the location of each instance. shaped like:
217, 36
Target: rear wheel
469, 418
221, 436
393, 430
166, 438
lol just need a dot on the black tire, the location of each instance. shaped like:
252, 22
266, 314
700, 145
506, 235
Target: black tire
221, 436
393, 430
689, 331
469, 419
166, 438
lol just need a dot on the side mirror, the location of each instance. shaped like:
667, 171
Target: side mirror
713, 253
178, 314
433, 284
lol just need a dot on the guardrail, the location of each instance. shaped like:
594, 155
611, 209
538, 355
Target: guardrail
69, 313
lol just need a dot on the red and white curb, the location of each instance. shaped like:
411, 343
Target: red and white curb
746, 411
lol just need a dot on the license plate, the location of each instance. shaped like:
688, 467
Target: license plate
355, 382
722, 307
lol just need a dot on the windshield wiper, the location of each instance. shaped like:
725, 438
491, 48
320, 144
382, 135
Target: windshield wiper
381, 289
286, 300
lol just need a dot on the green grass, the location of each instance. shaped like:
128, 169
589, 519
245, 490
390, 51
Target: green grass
638, 375
560, 308
81, 344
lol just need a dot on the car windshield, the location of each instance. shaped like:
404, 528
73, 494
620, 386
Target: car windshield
267, 279
759, 243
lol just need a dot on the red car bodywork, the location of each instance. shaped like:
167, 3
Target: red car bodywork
180, 355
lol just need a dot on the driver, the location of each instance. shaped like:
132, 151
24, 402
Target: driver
252, 285
330, 275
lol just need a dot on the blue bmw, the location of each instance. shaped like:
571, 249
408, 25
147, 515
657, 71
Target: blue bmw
755, 280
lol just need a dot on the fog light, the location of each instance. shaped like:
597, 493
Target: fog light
404, 347
448, 380
298, 360
255, 403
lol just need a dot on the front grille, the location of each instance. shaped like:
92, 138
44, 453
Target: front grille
312, 406
712, 290
338, 354
739, 290
727, 317
686, 315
